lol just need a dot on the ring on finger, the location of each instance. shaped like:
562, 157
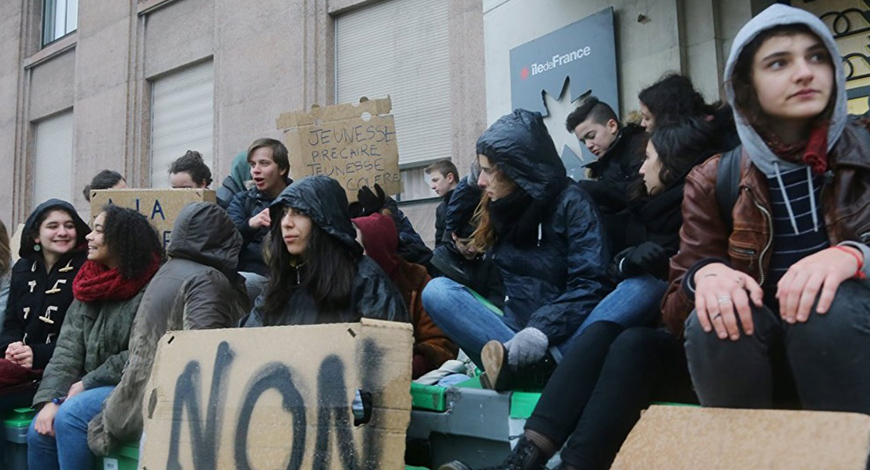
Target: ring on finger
717, 315
724, 298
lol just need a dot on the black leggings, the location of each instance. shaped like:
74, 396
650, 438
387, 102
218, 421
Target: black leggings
596, 394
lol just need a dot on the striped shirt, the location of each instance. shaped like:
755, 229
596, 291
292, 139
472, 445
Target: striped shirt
790, 247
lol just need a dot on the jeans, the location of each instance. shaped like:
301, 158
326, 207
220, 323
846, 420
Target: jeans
69, 448
826, 359
465, 320
634, 302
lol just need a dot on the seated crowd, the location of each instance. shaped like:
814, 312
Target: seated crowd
715, 255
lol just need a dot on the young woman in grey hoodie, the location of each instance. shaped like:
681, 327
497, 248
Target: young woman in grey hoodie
773, 300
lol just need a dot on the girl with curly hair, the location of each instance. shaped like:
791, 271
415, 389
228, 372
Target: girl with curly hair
124, 252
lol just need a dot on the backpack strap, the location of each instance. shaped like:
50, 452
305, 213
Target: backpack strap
728, 184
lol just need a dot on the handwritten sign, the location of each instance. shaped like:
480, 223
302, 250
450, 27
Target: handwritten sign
279, 397
355, 144
160, 206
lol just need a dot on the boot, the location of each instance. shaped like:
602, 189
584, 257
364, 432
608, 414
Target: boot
497, 375
525, 456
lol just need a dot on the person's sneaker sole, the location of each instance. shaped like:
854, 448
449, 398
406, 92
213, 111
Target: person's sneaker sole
497, 373
455, 465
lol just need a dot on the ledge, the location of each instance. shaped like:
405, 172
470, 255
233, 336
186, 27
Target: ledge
52, 50
147, 6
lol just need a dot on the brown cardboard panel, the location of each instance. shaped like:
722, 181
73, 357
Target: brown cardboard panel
15, 242
279, 397
355, 144
690, 438
160, 206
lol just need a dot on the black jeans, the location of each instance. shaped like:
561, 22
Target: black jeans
826, 360
596, 394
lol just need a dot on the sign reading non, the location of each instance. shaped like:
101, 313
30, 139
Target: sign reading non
160, 206
280, 397
355, 144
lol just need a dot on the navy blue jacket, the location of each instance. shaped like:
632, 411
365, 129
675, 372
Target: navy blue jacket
554, 285
245, 205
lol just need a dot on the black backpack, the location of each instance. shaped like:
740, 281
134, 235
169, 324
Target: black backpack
728, 184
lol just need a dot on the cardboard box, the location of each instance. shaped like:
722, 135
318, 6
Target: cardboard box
160, 206
691, 438
355, 144
15, 242
279, 397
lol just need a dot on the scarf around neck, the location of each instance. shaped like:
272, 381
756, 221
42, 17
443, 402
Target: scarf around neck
515, 218
95, 281
812, 152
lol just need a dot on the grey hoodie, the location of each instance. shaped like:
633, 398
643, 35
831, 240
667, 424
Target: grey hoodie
753, 144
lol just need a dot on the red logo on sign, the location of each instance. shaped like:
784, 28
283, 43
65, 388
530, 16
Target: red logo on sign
524, 73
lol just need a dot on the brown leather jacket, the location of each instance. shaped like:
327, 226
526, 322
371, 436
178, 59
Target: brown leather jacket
846, 201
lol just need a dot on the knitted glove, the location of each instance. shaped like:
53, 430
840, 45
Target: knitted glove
526, 347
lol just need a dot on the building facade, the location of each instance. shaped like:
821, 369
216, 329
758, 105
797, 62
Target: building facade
130, 85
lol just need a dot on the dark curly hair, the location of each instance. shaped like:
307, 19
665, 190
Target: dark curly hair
192, 163
672, 97
745, 96
680, 144
131, 239
105, 179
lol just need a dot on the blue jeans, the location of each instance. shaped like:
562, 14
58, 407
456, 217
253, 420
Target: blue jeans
635, 302
69, 448
470, 324
465, 320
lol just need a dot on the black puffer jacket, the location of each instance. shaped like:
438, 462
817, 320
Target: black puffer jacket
245, 205
555, 284
33, 290
373, 295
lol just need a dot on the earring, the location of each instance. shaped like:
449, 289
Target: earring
37, 247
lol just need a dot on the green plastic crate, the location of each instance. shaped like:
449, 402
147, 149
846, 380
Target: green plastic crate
125, 458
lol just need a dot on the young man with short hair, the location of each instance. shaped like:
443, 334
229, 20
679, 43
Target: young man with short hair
443, 178
618, 149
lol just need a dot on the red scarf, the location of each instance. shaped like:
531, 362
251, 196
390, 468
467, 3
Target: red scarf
813, 152
95, 281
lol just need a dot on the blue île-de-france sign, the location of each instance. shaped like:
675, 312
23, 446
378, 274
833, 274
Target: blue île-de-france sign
577, 59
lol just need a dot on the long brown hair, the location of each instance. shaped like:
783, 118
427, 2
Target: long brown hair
5, 250
483, 237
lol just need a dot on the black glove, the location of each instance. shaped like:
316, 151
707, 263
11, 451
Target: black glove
371, 203
648, 257
367, 202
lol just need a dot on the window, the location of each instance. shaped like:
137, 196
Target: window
59, 18
182, 119
53, 158
400, 48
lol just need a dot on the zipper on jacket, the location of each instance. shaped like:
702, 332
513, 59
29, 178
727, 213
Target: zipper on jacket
769, 240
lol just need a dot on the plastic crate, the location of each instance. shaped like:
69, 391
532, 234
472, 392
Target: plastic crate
15, 428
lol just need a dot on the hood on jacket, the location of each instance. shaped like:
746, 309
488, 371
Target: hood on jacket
204, 233
381, 240
778, 15
521, 146
460, 209
27, 243
240, 171
324, 200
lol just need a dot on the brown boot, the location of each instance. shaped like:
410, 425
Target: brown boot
497, 375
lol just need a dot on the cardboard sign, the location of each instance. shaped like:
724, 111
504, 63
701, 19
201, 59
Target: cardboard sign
279, 397
355, 144
160, 206
15, 242
675, 437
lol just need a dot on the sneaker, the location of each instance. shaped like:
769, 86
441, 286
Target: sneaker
497, 371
